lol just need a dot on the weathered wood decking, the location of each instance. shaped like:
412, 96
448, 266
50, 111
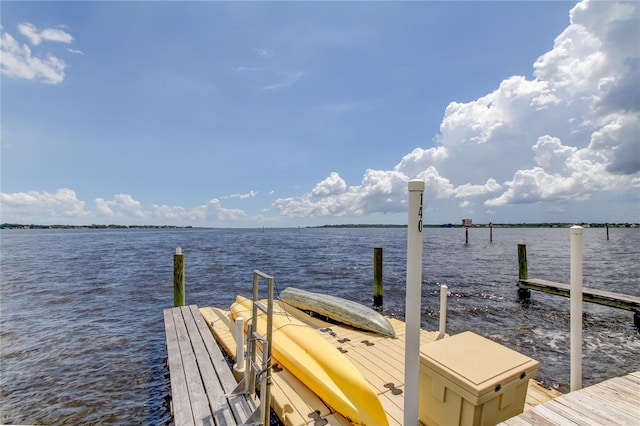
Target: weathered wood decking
201, 379
612, 402
607, 298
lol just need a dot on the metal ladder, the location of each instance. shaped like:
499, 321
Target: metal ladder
253, 370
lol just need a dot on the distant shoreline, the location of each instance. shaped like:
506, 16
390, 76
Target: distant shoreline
445, 225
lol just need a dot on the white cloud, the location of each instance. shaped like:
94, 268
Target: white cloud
122, 206
332, 185
619, 143
287, 81
549, 153
568, 134
469, 190
246, 69
48, 34
379, 192
63, 205
17, 60
249, 194
418, 160
563, 135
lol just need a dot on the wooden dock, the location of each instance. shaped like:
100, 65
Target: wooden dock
201, 379
296, 405
607, 298
612, 402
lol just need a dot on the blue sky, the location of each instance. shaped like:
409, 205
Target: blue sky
297, 114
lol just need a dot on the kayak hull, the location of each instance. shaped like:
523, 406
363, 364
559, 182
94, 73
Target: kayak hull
338, 309
319, 365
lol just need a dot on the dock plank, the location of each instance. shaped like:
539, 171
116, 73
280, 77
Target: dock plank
200, 376
219, 408
241, 407
613, 402
180, 394
195, 388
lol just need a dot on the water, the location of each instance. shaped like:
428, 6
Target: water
82, 332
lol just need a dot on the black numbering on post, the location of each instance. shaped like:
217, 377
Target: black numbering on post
420, 215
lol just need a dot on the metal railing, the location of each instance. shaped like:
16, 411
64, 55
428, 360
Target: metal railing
254, 371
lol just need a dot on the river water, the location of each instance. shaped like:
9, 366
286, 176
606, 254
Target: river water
82, 333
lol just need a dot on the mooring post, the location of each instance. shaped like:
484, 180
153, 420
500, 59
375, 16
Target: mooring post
607, 225
523, 271
377, 277
442, 328
490, 232
466, 235
413, 308
178, 278
240, 363
575, 272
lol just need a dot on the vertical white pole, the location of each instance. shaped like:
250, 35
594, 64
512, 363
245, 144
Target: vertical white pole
239, 344
576, 307
412, 311
443, 311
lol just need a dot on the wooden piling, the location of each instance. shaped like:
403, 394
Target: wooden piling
607, 231
178, 278
523, 271
466, 235
490, 232
377, 277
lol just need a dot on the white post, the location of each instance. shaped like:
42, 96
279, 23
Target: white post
239, 366
576, 307
412, 311
443, 312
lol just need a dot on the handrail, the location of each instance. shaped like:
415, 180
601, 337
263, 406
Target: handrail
253, 370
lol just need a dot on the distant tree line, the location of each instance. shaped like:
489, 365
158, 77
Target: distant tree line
94, 226
445, 225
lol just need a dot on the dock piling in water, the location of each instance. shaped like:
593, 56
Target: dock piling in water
523, 272
377, 277
178, 278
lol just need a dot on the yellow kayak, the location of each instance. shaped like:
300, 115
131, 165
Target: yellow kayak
319, 365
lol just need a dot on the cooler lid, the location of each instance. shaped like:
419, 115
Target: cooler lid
474, 362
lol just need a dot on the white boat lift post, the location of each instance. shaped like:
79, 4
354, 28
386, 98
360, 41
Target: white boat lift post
413, 305
239, 365
442, 330
575, 295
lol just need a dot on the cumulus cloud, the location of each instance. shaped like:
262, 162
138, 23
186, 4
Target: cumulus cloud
549, 153
64, 207
122, 205
567, 133
469, 190
418, 160
63, 204
333, 185
19, 61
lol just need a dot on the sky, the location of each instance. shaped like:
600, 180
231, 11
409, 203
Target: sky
272, 114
